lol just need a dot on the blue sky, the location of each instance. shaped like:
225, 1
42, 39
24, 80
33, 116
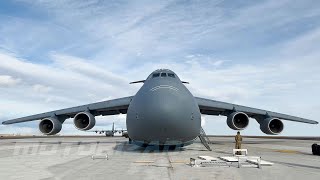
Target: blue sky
57, 54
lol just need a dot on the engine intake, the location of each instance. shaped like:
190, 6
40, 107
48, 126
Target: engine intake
84, 121
238, 120
271, 126
50, 126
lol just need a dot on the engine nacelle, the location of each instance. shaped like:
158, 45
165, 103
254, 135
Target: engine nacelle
50, 126
271, 126
238, 120
84, 121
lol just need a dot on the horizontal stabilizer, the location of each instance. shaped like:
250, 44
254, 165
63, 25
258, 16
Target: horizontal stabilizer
134, 82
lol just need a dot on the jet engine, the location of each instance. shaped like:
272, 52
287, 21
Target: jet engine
238, 120
50, 126
84, 121
271, 126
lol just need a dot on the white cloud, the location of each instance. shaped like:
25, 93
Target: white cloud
203, 121
6, 81
83, 67
305, 45
38, 88
65, 80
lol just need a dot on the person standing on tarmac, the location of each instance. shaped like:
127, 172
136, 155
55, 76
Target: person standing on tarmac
238, 139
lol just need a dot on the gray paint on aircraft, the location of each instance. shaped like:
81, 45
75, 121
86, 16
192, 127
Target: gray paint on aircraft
164, 110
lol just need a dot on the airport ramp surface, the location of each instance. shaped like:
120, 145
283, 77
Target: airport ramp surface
114, 158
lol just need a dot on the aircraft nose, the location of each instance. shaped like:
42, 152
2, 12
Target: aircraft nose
166, 113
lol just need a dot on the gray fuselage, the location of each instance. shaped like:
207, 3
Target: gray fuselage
163, 112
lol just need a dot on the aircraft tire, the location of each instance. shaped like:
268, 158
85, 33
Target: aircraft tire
172, 147
314, 149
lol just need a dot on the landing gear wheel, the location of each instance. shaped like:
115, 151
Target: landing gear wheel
314, 149
172, 147
130, 141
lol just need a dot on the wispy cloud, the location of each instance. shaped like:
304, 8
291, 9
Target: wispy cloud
6, 81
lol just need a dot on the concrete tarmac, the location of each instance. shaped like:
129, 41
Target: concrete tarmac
85, 158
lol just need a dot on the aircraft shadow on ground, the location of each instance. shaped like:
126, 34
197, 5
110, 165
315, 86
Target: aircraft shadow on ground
127, 147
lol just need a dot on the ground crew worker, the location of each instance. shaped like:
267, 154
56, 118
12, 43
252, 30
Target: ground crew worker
238, 139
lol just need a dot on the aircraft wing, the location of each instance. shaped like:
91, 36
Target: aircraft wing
212, 107
109, 107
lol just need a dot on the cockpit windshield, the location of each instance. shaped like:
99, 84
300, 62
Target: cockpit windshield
163, 74
156, 75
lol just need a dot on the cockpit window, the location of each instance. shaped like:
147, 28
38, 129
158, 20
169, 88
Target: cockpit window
163, 74
156, 75
171, 75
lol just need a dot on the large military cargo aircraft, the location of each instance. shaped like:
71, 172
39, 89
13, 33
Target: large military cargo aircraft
108, 133
163, 112
112, 132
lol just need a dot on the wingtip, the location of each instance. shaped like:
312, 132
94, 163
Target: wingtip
315, 122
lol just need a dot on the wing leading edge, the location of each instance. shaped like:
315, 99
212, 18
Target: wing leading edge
212, 107
109, 107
